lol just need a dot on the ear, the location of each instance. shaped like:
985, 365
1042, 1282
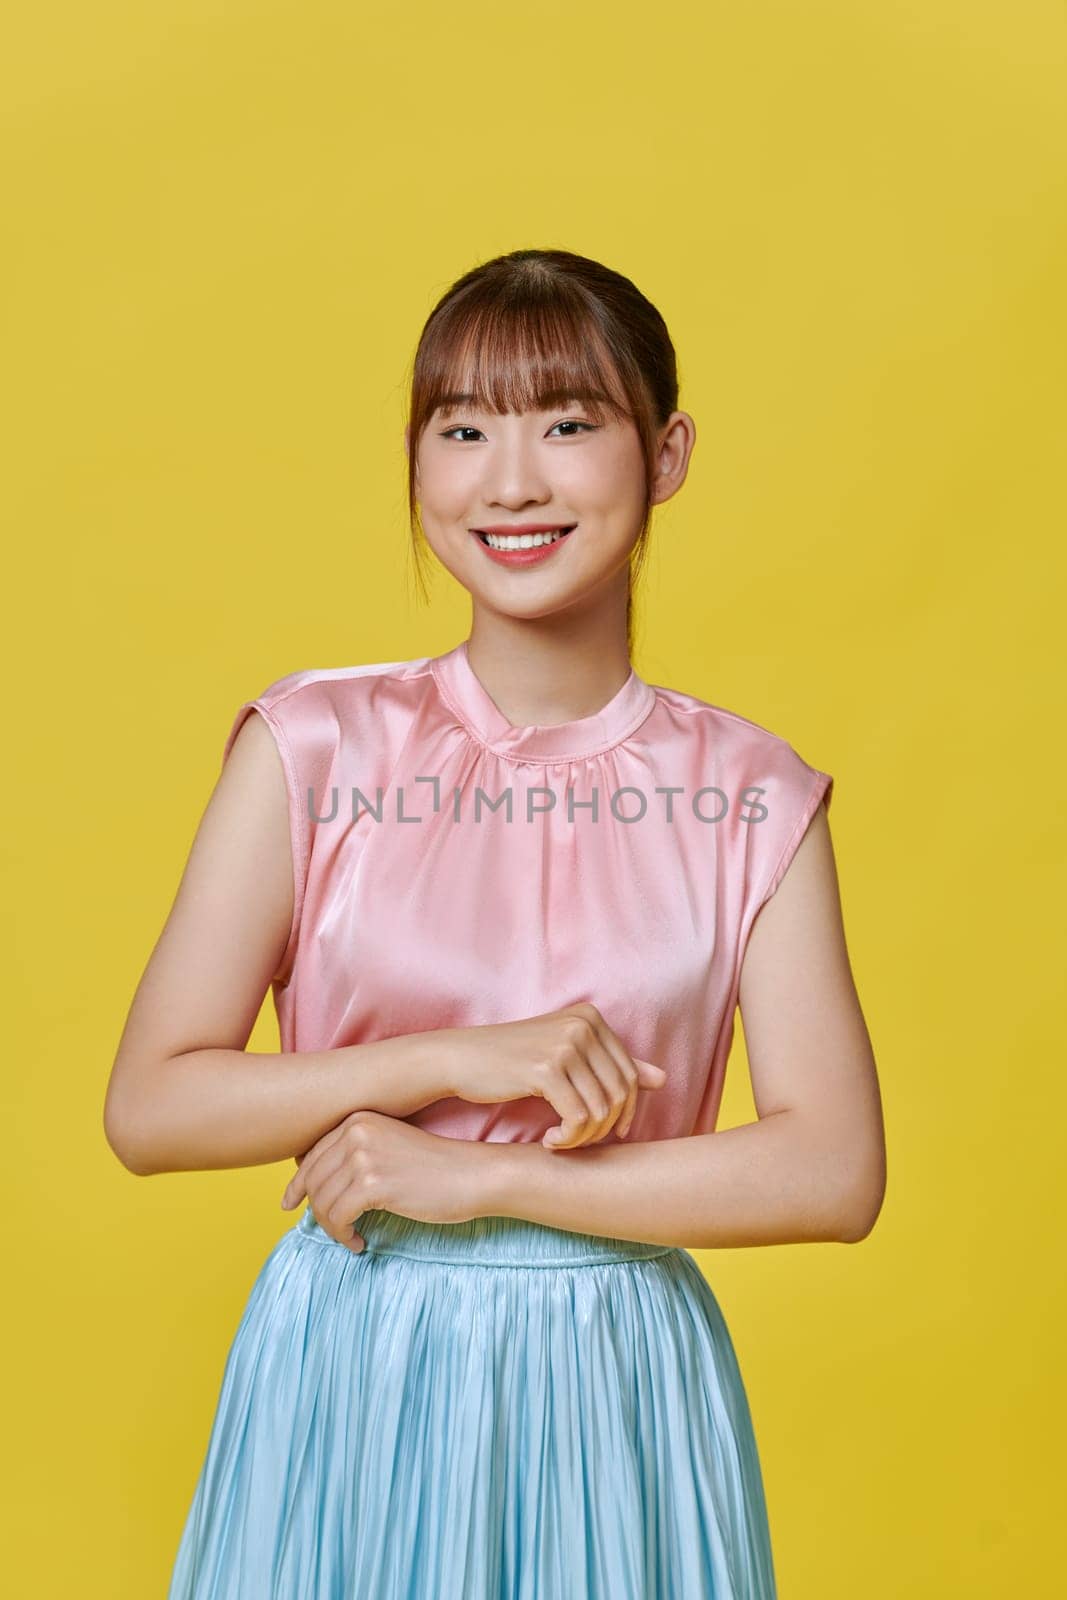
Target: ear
676, 444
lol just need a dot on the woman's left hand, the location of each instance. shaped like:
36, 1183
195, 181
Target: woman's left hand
371, 1162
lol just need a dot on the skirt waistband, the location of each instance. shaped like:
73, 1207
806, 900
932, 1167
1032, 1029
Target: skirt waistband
485, 1241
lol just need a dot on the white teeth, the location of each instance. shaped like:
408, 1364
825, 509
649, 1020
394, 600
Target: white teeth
521, 541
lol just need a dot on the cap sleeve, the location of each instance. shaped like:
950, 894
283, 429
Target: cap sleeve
805, 791
274, 714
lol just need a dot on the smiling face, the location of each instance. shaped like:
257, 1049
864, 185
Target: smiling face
576, 465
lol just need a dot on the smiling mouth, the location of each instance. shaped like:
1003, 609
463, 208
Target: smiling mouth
525, 541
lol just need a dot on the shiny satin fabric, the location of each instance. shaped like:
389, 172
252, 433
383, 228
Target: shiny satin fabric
435, 908
489, 1410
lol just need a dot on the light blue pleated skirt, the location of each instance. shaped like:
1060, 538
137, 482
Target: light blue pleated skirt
488, 1410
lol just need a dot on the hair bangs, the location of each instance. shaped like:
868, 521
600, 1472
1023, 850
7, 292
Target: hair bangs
519, 357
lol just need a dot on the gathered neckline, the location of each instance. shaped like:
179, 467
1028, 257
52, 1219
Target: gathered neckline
581, 737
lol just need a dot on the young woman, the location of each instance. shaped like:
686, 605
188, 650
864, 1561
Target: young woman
509, 898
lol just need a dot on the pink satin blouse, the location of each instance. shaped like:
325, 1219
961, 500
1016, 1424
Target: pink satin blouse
452, 869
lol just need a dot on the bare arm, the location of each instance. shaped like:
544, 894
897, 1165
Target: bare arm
183, 1092
811, 1168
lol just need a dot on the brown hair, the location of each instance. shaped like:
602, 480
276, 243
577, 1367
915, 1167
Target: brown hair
533, 329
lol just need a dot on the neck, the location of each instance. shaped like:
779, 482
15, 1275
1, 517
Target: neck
549, 671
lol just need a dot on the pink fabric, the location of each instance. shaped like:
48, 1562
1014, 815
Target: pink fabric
437, 916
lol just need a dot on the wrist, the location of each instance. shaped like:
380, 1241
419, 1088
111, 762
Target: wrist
485, 1175
493, 1170
436, 1063
398, 1075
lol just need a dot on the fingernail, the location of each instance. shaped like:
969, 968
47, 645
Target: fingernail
285, 1202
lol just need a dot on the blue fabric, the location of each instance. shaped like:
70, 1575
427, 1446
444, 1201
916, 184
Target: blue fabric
489, 1410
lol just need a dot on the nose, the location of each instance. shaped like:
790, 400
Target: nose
514, 474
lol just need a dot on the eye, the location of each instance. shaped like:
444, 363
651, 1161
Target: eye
460, 429
570, 423
588, 426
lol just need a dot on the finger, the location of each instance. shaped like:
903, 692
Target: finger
297, 1187
652, 1077
329, 1176
605, 1088
290, 1194
630, 1068
562, 1095
339, 1215
584, 1124
333, 1191
594, 1112
626, 1116
649, 1077
344, 1233
629, 1078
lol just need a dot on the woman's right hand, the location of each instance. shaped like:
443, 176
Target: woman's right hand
570, 1057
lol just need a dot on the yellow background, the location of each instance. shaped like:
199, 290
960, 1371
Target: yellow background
225, 224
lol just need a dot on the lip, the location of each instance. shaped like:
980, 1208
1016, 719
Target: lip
533, 555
